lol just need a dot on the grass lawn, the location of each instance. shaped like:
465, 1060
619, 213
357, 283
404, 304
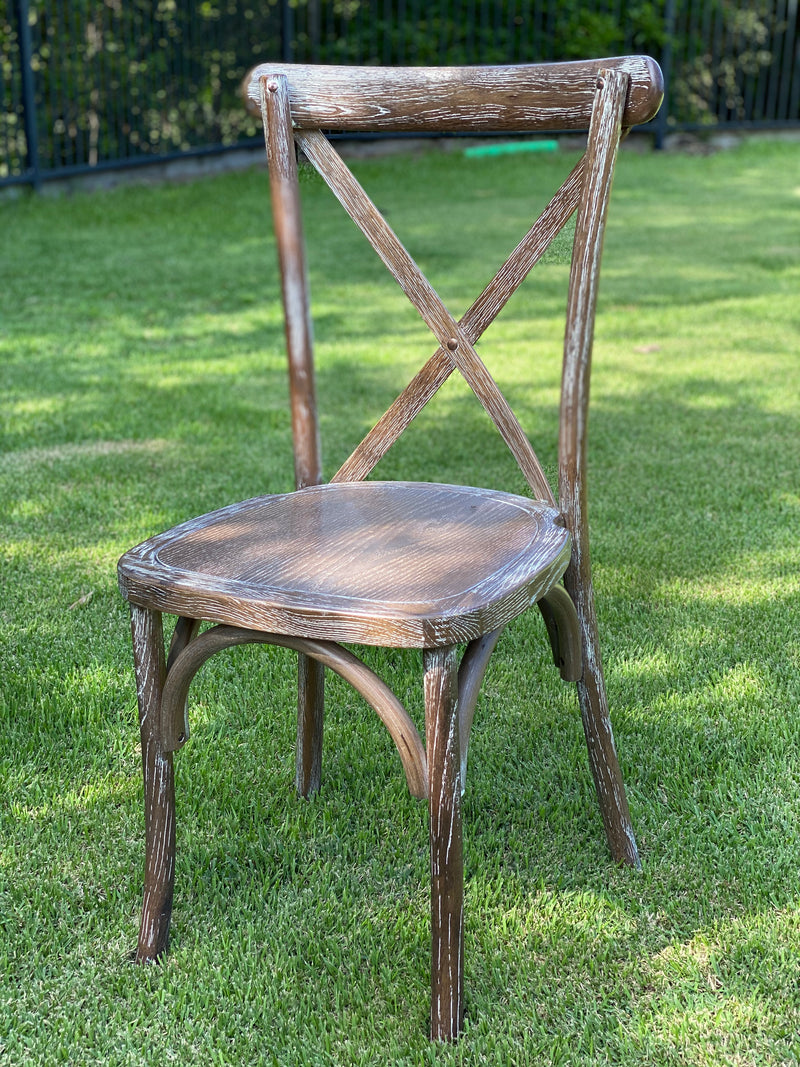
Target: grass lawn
143, 381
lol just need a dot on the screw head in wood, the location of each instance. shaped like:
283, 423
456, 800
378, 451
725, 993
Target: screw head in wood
452, 344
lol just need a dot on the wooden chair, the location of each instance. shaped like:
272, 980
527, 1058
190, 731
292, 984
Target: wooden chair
403, 564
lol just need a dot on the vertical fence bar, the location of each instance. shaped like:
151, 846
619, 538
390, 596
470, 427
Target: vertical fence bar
793, 61
777, 35
28, 93
77, 28
53, 93
6, 105
790, 68
666, 69
287, 32
66, 92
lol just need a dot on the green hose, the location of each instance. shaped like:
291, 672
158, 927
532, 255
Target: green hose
510, 147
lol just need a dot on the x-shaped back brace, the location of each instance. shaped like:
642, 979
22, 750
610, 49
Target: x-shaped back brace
456, 339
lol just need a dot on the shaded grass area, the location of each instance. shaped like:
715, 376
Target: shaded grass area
143, 381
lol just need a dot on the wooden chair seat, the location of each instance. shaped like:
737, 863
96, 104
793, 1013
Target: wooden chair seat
402, 564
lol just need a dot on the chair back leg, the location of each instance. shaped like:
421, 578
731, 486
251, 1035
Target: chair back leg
597, 726
310, 710
447, 858
159, 786
604, 136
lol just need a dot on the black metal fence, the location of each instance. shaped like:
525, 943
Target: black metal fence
89, 84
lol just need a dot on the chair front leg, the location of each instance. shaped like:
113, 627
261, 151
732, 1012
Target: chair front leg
159, 786
447, 861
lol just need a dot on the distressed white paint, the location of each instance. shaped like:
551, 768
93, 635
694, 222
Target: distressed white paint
541, 96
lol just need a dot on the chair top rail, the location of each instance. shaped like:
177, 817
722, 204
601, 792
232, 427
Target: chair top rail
525, 97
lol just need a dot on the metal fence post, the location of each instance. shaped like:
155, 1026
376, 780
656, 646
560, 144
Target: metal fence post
28, 93
666, 69
287, 31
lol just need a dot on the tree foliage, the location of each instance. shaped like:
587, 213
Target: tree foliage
119, 79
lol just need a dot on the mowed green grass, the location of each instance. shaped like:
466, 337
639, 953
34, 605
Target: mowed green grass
143, 381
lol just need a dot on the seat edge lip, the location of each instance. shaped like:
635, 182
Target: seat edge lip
359, 626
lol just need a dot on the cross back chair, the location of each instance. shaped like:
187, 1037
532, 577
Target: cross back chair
399, 564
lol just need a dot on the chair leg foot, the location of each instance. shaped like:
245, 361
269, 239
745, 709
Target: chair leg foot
605, 764
447, 859
159, 787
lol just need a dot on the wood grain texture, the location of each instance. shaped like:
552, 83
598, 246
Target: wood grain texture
564, 632
470, 678
286, 214
447, 858
581, 306
159, 787
475, 321
541, 96
310, 718
403, 564
327, 654
185, 631
287, 220
425, 299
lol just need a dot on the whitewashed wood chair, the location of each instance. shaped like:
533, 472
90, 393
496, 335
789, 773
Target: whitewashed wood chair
419, 565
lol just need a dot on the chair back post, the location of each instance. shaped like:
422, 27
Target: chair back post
601, 154
287, 218
604, 136
286, 213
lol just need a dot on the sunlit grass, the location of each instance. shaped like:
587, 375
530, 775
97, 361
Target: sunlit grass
143, 381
